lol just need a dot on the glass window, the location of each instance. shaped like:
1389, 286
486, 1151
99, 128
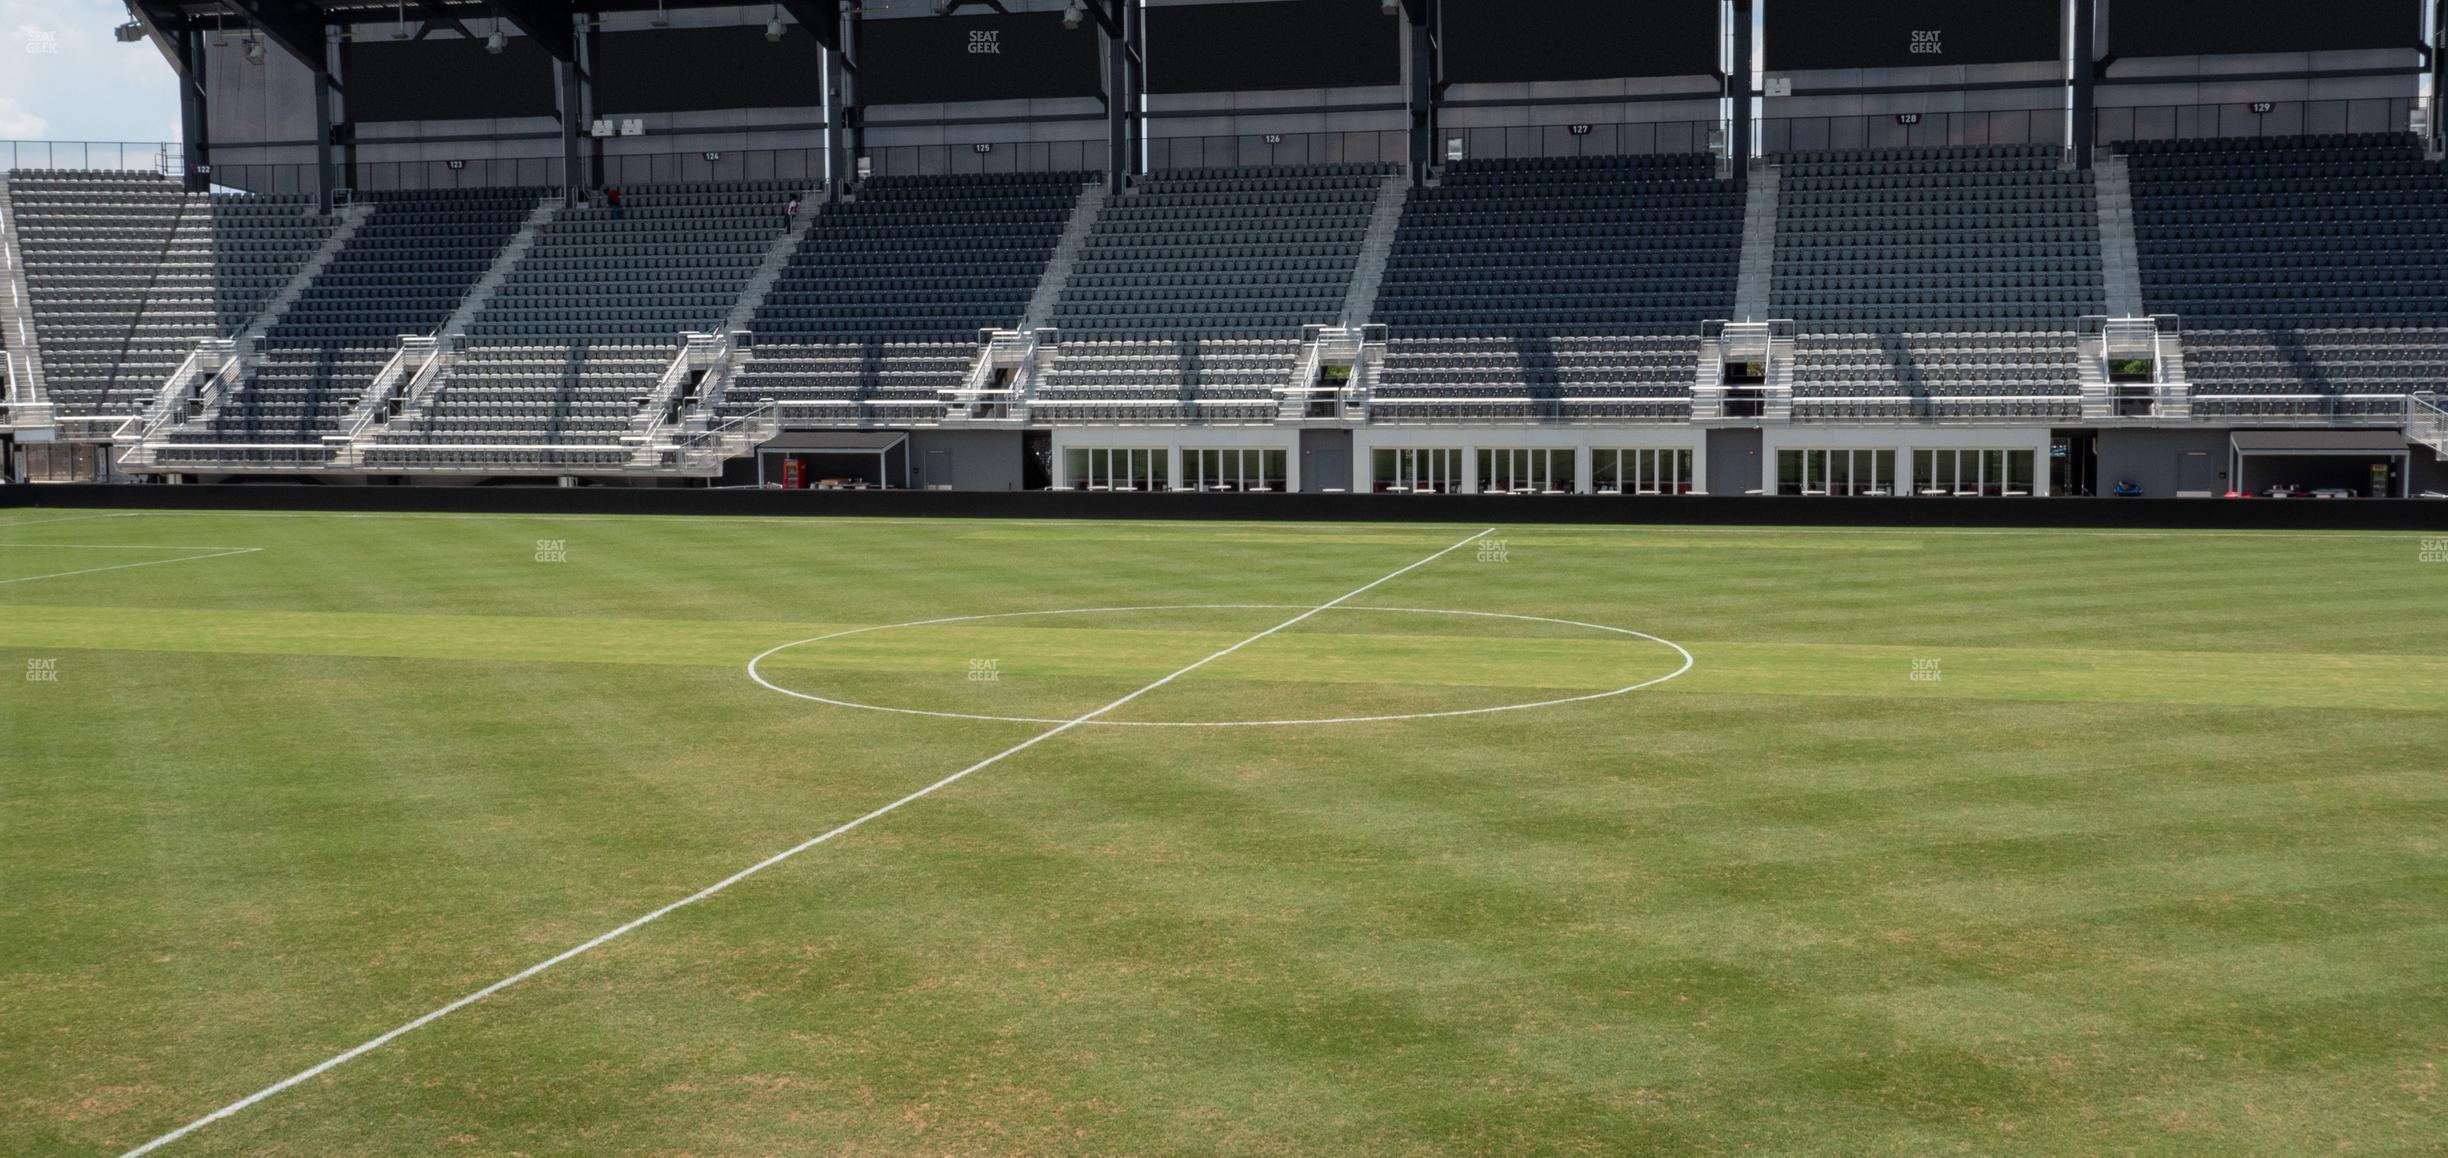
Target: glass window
1432, 470
1519, 470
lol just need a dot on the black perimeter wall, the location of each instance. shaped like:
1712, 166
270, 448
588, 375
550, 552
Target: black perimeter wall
2200, 27
989, 57
1278, 45
1476, 510
1495, 41
1814, 34
681, 70
448, 80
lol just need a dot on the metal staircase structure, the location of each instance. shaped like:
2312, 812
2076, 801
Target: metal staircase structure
2427, 423
1745, 373
657, 424
2133, 371
193, 390
211, 373
27, 411
1002, 382
1330, 381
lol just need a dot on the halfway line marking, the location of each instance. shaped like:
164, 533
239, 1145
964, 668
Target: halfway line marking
223, 554
378, 1042
15, 524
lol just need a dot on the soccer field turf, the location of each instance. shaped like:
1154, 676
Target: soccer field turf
2067, 841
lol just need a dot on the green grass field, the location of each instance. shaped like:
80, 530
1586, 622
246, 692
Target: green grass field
2157, 862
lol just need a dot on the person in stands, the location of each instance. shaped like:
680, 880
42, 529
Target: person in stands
790, 212
612, 200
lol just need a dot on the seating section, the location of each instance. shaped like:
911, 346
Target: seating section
259, 244
2283, 373
1933, 282
2311, 273
558, 405
1226, 253
584, 326
1190, 295
126, 273
849, 382
1557, 288
403, 273
1989, 237
1958, 375
879, 308
1215, 380
1543, 377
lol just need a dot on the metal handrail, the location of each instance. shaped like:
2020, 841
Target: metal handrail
2426, 421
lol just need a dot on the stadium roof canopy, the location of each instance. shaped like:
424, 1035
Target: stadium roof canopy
296, 25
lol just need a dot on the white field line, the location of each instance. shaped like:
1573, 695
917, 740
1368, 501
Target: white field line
1679, 649
23, 523
375, 1043
129, 546
124, 566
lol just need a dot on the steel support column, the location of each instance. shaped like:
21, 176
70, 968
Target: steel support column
2084, 70
1421, 16
2439, 68
1738, 87
1134, 82
1117, 95
195, 112
850, 103
326, 173
573, 181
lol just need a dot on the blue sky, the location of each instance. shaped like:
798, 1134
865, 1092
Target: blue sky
63, 78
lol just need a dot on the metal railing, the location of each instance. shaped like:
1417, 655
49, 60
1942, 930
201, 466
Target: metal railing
2426, 422
1594, 139
1371, 146
1897, 130
2238, 119
164, 157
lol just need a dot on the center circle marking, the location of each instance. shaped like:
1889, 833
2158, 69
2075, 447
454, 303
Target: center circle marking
755, 674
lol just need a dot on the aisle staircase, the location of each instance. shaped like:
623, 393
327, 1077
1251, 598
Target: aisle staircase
1376, 250
2120, 264
21, 375
1758, 278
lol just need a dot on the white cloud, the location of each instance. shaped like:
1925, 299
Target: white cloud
79, 83
17, 124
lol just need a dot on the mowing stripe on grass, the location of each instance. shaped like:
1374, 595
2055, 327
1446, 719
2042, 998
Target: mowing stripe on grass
378, 1042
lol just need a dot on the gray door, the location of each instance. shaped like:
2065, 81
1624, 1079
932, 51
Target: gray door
2195, 475
935, 469
1322, 468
